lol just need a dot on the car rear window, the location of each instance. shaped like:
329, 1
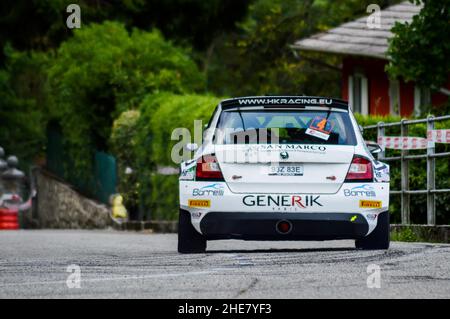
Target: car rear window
285, 127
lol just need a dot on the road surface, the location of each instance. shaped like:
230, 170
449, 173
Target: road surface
34, 264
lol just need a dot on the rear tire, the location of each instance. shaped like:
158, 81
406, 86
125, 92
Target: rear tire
189, 240
379, 238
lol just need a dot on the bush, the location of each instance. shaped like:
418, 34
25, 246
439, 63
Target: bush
144, 143
173, 111
123, 145
104, 70
405, 235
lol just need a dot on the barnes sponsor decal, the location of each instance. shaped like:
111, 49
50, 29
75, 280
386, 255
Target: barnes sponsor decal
360, 191
282, 201
215, 189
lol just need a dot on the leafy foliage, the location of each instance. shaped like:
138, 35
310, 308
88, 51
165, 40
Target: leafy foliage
142, 141
258, 59
40, 24
406, 235
419, 50
22, 100
196, 21
171, 112
104, 70
160, 116
123, 145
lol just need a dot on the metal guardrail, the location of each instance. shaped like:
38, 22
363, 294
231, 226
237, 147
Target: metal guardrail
404, 159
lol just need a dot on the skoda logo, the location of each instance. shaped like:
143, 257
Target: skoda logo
284, 155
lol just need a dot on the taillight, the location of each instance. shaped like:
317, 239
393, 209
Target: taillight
208, 169
360, 170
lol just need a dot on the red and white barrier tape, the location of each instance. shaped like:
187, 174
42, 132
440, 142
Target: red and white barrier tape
439, 136
413, 142
402, 143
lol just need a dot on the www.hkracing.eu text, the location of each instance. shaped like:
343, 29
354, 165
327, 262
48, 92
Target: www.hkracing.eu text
225, 309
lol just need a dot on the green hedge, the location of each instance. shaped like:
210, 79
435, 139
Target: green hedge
123, 143
103, 70
174, 111
142, 141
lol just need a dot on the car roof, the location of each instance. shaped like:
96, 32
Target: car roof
284, 101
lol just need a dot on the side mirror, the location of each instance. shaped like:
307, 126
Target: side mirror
192, 147
374, 148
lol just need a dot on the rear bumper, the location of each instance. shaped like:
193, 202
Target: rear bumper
263, 226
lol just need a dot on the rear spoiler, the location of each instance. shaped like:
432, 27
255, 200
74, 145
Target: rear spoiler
284, 101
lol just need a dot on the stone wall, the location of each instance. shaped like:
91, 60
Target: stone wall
60, 206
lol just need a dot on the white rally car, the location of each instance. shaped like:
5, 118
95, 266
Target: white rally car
283, 168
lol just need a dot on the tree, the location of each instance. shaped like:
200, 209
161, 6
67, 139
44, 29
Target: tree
104, 70
22, 104
197, 21
420, 50
40, 24
257, 59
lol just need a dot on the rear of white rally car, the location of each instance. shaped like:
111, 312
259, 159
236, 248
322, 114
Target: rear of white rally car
335, 190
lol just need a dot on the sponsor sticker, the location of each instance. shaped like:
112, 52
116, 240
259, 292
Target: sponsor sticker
187, 174
320, 128
274, 101
199, 203
364, 190
370, 203
188, 171
196, 215
381, 172
282, 202
317, 149
215, 189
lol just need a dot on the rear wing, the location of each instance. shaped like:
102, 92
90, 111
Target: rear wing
284, 101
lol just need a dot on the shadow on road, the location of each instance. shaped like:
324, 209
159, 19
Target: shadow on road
285, 250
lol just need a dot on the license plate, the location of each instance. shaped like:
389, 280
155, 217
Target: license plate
285, 170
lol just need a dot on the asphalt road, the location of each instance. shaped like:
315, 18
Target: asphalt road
33, 264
